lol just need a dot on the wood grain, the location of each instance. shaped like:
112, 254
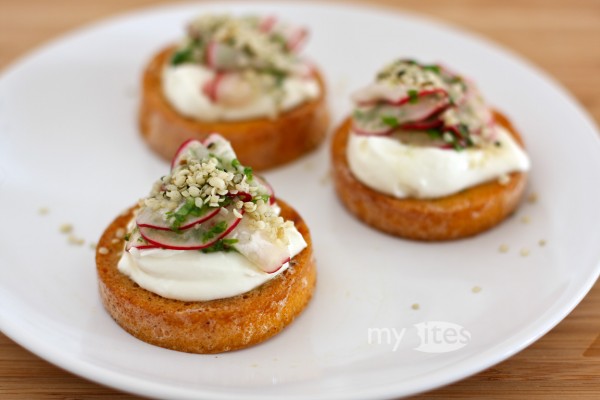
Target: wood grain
560, 36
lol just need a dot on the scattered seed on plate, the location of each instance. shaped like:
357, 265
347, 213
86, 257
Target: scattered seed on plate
76, 240
92, 245
542, 242
524, 252
43, 210
503, 248
325, 179
532, 198
525, 219
476, 289
415, 306
66, 228
103, 250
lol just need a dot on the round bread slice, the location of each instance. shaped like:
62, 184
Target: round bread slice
463, 214
261, 142
213, 326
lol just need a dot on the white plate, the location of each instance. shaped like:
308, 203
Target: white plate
69, 142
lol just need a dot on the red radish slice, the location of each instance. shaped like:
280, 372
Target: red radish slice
306, 70
258, 248
374, 94
181, 150
423, 93
217, 145
423, 125
137, 241
269, 188
211, 87
190, 148
211, 139
370, 131
454, 129
211, 55
429, 122
221, 56
296, 39
148, 218
191, 239
266, 25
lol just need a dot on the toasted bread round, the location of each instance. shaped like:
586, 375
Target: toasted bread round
261, 142
463, 214
205, 326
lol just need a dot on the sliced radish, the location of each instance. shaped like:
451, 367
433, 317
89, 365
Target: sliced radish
220, 56
217, 145
258, 248
210, 57
195, 238
137, 241
266, 24
394, 99
211, 87
189, 149
212, 138
407, 115
157, 219
296, 38
268, 187
231, 89
305, 70
425, 124
371, 130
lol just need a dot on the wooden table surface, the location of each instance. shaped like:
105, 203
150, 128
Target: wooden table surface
560, 36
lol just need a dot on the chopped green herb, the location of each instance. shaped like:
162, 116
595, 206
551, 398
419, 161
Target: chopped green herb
248, 50
248, 173
216, 157
359, 114
183, 56
382, 75
189, 208
389, 121
126, 237
497, 143
235, 163
221, 245
434, 133
457, 146
279, 39
263, 197
277, 74
413, 96
214, 231
432, 68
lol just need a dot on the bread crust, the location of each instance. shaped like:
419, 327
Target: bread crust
205, 326
261, 142
463, 214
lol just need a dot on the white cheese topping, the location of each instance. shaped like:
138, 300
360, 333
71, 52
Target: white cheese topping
387, 165
190, 275
182, 86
